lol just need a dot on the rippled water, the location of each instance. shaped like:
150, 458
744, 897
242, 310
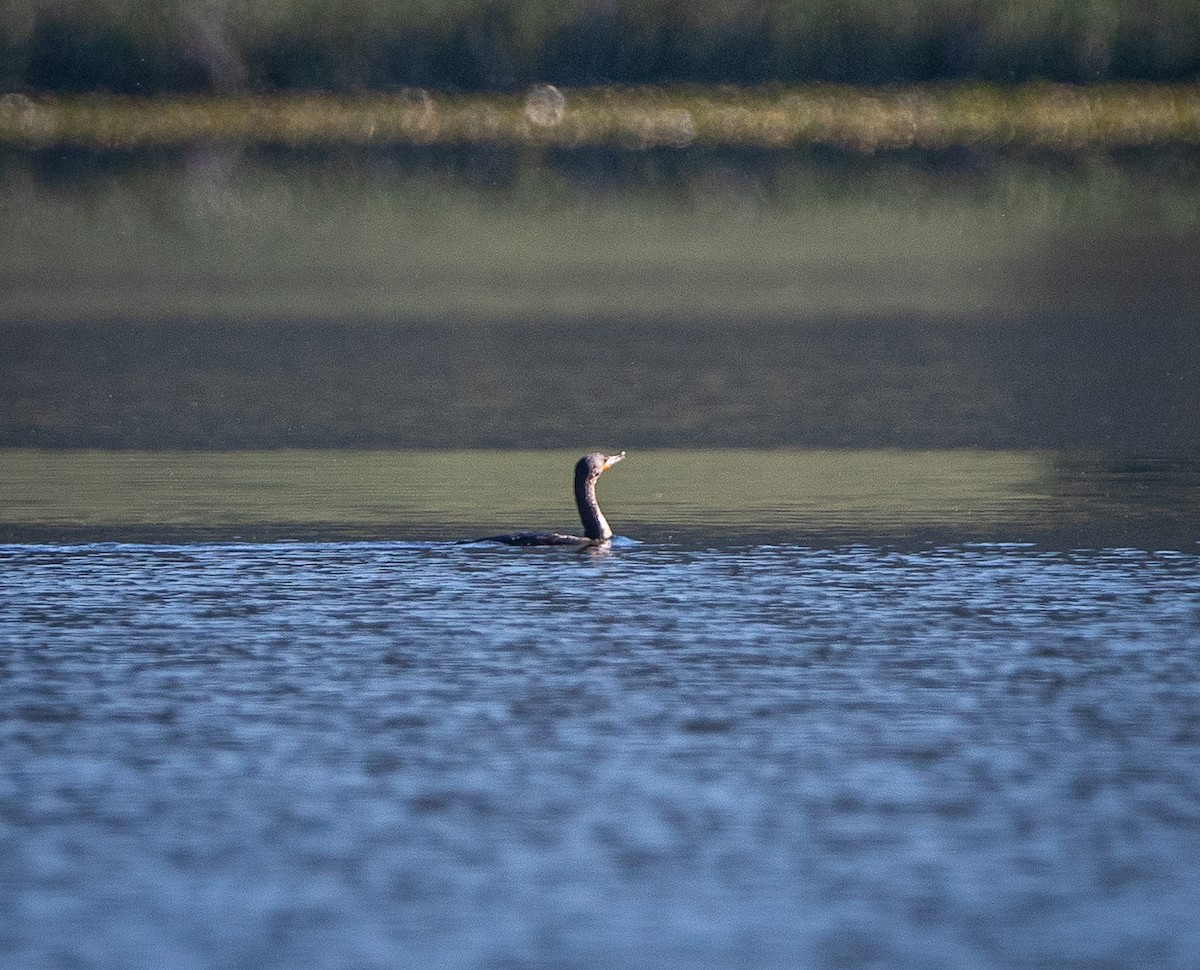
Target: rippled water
809, 720
395, 754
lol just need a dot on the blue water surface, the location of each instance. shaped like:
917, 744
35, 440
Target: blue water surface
361, 755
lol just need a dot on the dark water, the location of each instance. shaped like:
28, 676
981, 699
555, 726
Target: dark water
1123, 386
394, 754
214, 298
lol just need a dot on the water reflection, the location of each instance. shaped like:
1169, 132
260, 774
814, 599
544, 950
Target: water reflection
489, 299
1115, 388
706, 496
483, 235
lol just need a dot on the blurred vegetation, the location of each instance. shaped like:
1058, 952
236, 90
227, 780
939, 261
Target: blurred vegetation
222, 232
1059, 117
155, 46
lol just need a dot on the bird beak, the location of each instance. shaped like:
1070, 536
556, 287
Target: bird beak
611, 460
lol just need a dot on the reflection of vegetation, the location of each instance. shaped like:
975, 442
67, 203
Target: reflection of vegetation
1113, 385
688, 495
390, 235
155, 45
1058, 117
450, 493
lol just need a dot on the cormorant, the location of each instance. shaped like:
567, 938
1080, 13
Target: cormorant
596, 531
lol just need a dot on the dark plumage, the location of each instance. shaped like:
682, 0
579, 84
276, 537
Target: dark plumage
596, 531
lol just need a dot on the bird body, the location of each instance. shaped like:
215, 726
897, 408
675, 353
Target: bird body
596, 530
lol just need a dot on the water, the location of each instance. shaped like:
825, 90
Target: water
898, 667
215, 233
384, 753
694, 497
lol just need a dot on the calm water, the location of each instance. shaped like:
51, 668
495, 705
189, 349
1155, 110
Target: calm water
214, 298
405, 754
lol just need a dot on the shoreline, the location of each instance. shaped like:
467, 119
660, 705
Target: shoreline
1037, 116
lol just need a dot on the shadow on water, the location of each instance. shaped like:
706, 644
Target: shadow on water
1124, 387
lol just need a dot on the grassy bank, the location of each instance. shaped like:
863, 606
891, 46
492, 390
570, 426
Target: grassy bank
1040, 116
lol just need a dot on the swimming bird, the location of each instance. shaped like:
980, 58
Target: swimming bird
596, 531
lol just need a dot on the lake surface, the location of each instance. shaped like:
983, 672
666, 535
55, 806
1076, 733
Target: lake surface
824, 708
220, 233
386, 753
695, 497
217, 298
894, 662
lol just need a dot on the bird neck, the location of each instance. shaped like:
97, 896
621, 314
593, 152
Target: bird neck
595, 525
